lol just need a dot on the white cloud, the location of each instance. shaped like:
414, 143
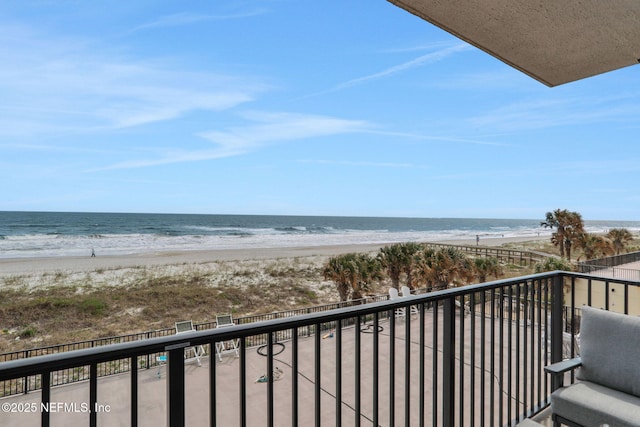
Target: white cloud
428, 58
184, 18
261, 129
559, 110
423, 137
275, 127
366, 164
51, 85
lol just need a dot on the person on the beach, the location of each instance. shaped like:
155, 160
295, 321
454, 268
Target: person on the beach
93, 253
477, 240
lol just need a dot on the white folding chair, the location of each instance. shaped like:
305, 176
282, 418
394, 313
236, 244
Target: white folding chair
225, 321
393, 295
405, 293
464, 308
198, 350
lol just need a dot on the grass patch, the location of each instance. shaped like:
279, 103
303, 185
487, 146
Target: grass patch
94, 306
28, 333
150, 299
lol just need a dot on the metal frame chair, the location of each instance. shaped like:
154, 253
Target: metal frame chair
406, 292
226, 321
198, 350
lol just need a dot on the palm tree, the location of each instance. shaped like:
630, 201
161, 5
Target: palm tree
595, 246
574, 230
441, 268
409, 251
390, 257
340, 270
486, 266
461, 271
353, 274
552, 220
369, 269
423, 266
569, 229
619, 238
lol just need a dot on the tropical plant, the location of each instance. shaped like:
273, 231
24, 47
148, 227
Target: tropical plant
619, 238
339, 269
486, 266
569, 229
442, 268
595, 246
394, 259
553, 264
410, 249
353, 274
369, 270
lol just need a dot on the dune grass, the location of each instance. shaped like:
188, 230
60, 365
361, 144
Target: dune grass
60, 307
66, 308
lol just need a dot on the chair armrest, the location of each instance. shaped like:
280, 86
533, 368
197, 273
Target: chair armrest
558, 369
564, 366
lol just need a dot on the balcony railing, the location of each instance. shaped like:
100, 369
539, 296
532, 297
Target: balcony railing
26, 385
469, 356
608, 262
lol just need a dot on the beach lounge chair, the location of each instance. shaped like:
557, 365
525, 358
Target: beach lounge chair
406, 292
198, 350
464, 308
225, 321
393, 295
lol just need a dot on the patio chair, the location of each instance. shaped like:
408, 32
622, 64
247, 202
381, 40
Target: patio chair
198, 350
230, 346
608, 386
406, 292
393, 295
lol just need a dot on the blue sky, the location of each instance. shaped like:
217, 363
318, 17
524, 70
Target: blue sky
296, 107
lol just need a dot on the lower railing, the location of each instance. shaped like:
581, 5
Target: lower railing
470, 356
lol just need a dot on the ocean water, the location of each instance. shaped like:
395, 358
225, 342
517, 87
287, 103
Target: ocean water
46, 234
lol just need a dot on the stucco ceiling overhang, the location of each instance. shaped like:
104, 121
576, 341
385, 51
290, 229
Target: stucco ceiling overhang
553, 41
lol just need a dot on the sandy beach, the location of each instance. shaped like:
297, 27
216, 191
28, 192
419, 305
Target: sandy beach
32, 266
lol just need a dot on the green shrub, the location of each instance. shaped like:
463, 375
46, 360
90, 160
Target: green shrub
93, 306
28, 332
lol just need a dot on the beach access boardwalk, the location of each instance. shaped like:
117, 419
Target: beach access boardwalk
477, 376
629, 271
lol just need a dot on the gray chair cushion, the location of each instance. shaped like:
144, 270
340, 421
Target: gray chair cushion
610, 350
593, 405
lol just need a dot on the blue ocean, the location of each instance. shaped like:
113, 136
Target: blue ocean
45, 234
